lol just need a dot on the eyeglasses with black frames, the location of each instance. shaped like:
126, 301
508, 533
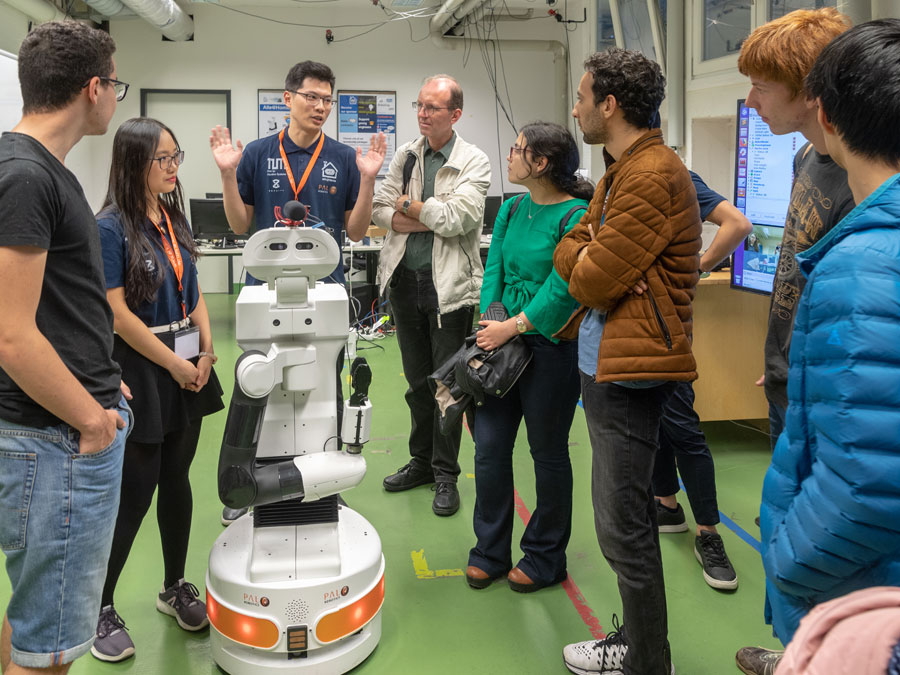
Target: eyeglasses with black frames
121, 88
165, 163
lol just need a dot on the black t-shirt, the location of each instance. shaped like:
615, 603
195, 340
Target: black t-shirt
820, 198
43, 205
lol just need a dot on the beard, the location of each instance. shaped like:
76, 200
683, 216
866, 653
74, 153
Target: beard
595, 130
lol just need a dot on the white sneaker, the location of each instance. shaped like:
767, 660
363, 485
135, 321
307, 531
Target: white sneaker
606, 656
598, 656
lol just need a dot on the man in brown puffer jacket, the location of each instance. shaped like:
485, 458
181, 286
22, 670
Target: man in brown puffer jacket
641, 229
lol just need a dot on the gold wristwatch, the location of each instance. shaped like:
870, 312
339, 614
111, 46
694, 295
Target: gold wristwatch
520, 324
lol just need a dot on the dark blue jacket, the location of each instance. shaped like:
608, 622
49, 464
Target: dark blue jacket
830, 519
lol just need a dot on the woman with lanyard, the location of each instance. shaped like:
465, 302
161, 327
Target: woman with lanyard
164, 347
519, 273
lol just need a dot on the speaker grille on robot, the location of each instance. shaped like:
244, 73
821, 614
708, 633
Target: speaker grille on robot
297, 611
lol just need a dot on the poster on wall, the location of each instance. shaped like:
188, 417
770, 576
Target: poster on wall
362, 114
273, 114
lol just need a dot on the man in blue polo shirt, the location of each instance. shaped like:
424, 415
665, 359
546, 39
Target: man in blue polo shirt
272, 171
300, 163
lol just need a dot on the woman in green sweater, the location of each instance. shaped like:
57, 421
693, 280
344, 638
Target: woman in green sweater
519, 273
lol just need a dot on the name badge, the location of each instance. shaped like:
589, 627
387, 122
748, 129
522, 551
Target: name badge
187, 342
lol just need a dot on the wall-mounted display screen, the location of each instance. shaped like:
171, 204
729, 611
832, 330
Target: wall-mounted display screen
763, 175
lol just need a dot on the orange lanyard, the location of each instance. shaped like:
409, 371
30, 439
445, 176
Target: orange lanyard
174, 255
287, 167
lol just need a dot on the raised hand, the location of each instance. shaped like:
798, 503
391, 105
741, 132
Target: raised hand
370, 164
226, 155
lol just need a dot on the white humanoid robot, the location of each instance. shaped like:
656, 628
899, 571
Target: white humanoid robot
296, 585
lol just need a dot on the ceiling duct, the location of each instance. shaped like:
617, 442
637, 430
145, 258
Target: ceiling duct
164, 15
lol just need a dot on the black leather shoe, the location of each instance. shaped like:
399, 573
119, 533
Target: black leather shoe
446, 499
407, 477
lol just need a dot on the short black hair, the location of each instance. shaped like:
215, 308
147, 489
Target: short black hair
308, 69
636, 82
857, 79
56, 59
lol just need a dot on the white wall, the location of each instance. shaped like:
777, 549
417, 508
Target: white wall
243, 54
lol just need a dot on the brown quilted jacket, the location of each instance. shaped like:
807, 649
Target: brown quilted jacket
651, 231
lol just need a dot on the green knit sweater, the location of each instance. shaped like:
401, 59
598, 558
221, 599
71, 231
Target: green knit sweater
519, 271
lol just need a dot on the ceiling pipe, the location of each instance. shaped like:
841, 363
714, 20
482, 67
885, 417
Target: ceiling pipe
164, 15
39, 10
454, 11
108, 8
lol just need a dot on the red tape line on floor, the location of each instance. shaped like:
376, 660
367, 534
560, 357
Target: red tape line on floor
584, 610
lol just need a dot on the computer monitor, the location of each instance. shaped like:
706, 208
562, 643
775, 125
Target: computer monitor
763, 176
208, 220
491, 207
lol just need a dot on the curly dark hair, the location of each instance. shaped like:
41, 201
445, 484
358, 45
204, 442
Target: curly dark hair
636, 82
56, 59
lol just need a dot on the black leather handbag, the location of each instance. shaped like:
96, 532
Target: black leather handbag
471, 373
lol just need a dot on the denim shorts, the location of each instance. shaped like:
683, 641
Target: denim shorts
57, 514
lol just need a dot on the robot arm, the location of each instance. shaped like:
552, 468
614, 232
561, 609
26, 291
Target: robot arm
244, 482
241, 481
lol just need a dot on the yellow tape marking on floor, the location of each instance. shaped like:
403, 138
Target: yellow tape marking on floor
420, 565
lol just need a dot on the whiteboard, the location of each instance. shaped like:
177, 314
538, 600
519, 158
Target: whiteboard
10, 95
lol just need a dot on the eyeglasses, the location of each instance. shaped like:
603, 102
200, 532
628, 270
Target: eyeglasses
313, 99
165, 163
121, 88
427, 109
515, 150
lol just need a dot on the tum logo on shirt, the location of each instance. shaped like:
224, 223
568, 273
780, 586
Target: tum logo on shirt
274, 164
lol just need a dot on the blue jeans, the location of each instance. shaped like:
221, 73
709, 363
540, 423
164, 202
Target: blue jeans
57, 514
545, 395
427, 339
623, 425
680, 439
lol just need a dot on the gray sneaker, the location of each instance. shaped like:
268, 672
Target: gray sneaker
231, 515
180, 601
112, 642
758, 660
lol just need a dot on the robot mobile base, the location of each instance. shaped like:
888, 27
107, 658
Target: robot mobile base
322, 625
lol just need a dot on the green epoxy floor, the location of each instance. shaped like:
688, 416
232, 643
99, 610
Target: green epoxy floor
437, 624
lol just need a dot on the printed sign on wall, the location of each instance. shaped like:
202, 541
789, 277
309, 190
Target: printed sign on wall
273, 114
362, 114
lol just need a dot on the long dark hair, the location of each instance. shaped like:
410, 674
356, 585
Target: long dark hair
134, 146
557, 145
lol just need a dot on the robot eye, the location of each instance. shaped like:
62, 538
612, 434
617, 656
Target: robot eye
278, 246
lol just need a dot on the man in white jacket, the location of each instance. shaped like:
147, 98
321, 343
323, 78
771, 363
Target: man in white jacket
432, 205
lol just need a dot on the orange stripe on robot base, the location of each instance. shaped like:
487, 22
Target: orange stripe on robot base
347, 620
247, 630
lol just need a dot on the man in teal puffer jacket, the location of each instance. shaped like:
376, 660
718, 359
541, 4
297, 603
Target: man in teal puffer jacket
830, 519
